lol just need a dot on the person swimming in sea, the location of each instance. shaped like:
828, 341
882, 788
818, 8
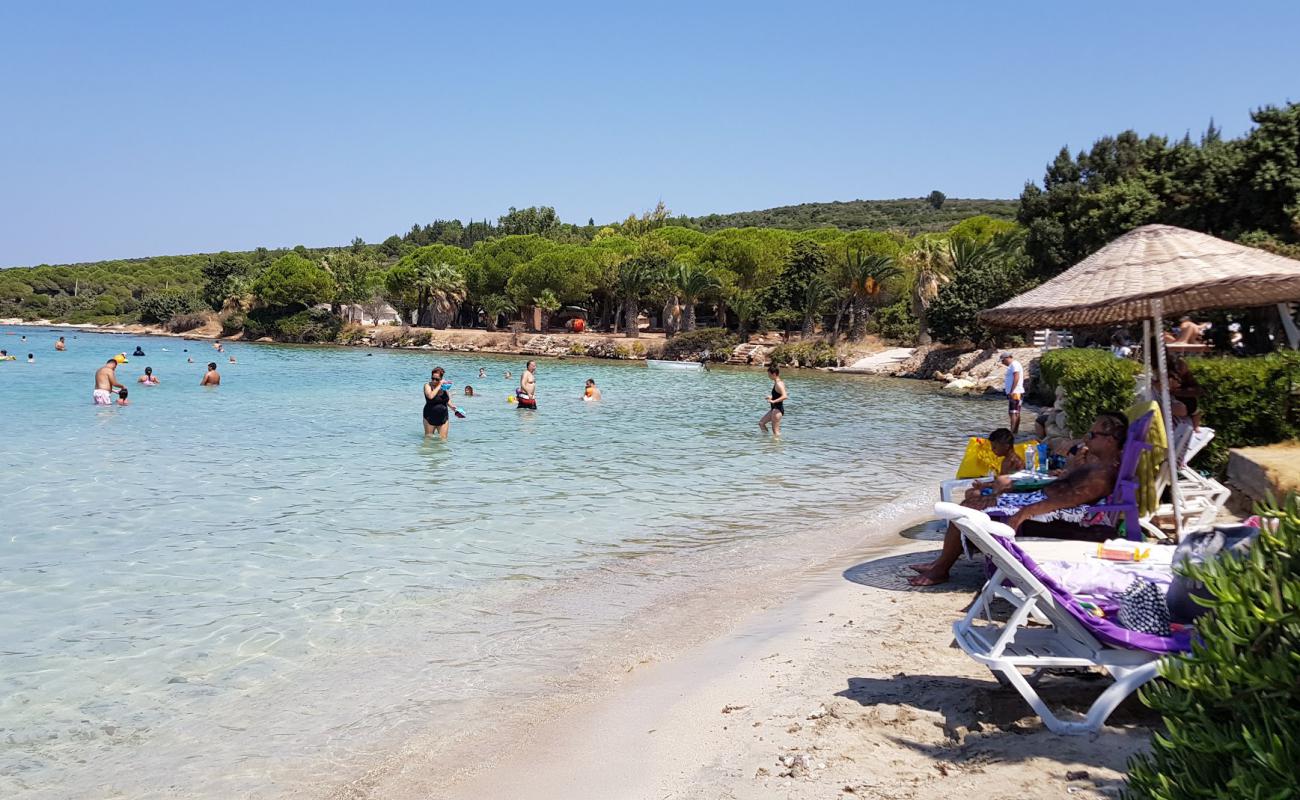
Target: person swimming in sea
776, 403
469, 390
121, 398
211, 377
60, 345
138, 352
148, 378
437, 405
31, 359
591, 394
482, 372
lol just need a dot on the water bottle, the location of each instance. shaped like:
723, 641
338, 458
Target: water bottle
1031, 459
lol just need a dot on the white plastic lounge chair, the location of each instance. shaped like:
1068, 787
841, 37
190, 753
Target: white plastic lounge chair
1203, 497
1071, 641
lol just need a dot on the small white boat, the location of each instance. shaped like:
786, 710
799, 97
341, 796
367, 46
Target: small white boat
690, 366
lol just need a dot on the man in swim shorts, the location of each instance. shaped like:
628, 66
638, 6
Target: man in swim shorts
528, 381
1014, 386
106, 381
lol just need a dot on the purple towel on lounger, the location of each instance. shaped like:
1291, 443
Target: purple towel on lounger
1104, 629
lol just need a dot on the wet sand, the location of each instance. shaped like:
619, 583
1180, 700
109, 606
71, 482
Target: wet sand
833, 680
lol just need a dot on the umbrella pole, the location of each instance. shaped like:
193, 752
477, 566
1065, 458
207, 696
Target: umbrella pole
1171, 452
1146, 355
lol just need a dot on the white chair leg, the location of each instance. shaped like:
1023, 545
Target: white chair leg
1126, 682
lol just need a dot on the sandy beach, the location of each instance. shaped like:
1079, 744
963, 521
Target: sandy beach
839, 682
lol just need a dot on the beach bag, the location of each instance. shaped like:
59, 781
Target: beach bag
979, 459
1198, 548
1142, 608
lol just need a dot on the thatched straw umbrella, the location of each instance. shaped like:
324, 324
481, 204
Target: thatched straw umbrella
1142, 276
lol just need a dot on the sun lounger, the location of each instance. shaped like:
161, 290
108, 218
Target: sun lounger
1075, 638
1203, 498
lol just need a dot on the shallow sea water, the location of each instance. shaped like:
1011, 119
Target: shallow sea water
209, 584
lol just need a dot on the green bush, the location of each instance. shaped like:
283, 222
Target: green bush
1232, 706
312, 325
1094, 381
158, 308
232, 324
187, 322
1247, 401
952, 316
692, 346
896, 323
804, 354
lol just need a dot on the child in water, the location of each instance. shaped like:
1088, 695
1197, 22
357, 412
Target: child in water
121, 398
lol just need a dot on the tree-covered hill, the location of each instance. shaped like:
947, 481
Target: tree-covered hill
914, 215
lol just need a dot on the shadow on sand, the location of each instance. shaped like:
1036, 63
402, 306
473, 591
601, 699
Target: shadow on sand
892, 572
985, 722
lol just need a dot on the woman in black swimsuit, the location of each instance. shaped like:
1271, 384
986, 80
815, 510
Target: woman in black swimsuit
437, 405
776, 403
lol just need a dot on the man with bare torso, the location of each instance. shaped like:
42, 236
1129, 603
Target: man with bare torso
105, 382
211, 377
528, 380
1058, 510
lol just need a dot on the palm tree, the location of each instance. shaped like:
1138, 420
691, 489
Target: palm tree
494, 305
932, 260
691, 282
441, 288
866, 275
636, 276
548, 304
815, 295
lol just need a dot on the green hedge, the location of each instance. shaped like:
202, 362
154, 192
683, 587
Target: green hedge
308, 326
691, 346
1231, 707
1248, 401
805, 354
1094, 381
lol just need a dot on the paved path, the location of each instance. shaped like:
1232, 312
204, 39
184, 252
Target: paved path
879, 362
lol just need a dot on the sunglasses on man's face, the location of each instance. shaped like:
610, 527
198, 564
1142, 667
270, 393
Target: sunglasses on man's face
1095, 434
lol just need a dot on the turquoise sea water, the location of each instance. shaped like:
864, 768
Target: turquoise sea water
209, 582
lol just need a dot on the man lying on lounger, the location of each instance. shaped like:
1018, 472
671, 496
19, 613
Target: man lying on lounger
1056, 511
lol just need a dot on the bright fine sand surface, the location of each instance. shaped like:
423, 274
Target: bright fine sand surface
279, 588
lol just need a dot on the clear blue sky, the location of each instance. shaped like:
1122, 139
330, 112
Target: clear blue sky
142, 128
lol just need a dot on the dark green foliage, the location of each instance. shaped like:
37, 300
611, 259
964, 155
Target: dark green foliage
935, 199
187, 322
158, 308
1247, 401
1223, 187
1232, 706
804, 263
306, 326
693, 345
984, 276
233, 324
913, 216
221, 276
1094, 381
292, 280
804, 354
896, 322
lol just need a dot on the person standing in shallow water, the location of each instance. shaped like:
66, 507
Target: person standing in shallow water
106, 382
211, 377
776, 403
437, 405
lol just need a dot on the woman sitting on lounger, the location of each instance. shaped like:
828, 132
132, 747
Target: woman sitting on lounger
1057, 510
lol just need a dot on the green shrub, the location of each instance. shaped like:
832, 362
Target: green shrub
1232, 706
158, 308
232, 324
1247, 401
804, 354
1094, 381
312, 325
187, 322
694, 345
896, 323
